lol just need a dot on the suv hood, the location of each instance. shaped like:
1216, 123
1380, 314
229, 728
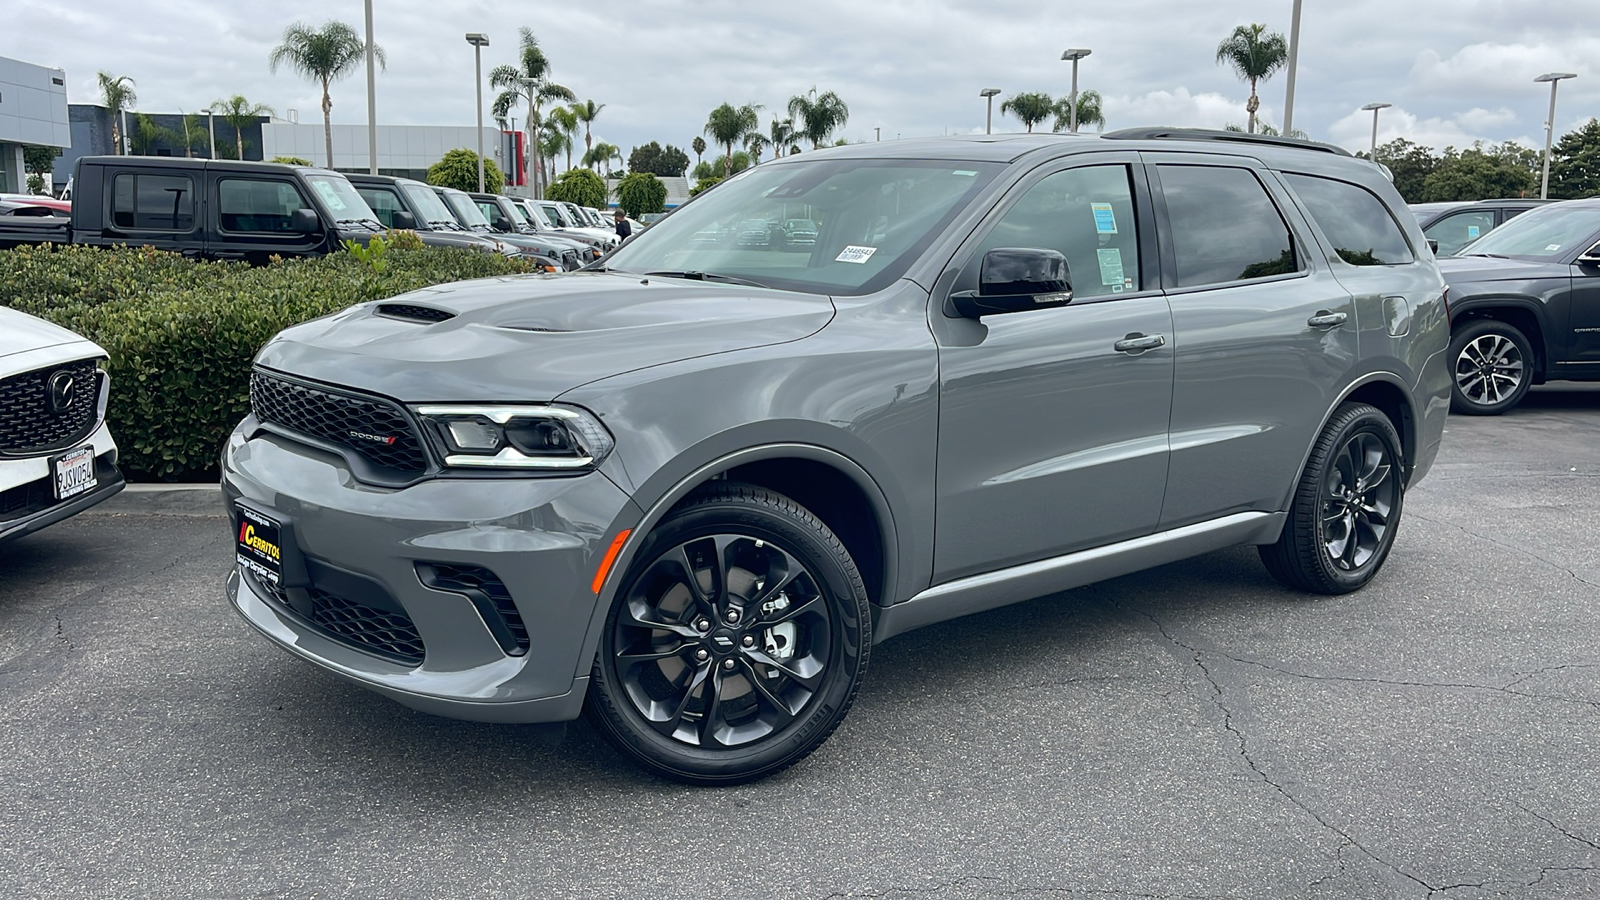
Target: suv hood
27, 342
533, 337
1465, 269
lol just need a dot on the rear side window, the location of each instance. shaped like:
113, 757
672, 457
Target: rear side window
1354, 220
249, 204
1225, 226
1085, 214
152, 202
384, 203
1459, 229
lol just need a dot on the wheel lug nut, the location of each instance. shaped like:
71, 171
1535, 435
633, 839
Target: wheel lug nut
749, 641
727, 664
702, 655
701, 624
732, 616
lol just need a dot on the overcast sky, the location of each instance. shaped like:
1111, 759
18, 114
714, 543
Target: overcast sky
1455, 70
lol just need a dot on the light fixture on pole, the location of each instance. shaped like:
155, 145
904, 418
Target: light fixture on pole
1550, 127
1294, 60
1074, 55
988, 119
877, 132
478, 42
1374, 107
372, 102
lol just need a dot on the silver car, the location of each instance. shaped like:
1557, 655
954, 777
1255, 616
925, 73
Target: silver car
689, 491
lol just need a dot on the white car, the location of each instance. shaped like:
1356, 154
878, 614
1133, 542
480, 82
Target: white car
57, 457
566, 216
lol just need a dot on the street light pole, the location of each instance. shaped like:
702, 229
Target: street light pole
1374, 107
372, 102
478, 42
211, 126
877, 132
1550, 127
531, 153
1074, 55
1294, 60
988, 119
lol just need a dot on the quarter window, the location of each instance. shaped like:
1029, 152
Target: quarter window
152, 202
1225, 226
1356, 222
1086, 215
1456, 231
248, 204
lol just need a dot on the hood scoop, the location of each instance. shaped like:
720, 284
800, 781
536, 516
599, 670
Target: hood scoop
411, 312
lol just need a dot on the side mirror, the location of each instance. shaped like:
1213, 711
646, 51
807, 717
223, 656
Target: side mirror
304, 221
1434, 246
1590, 257
1015, 279
402, 220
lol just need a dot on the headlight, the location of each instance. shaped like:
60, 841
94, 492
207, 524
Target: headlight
517, 437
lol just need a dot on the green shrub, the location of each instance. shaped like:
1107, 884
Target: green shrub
459, 169
181, 334
292, 161
641, 193
704, 184
579, 186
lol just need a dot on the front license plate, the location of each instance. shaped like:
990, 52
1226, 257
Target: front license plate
73, 473
258, 547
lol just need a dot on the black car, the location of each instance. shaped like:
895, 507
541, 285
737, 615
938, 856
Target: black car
406, 204
466, 212
1452, 226
1525, 307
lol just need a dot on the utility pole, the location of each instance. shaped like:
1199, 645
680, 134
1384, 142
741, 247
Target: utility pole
478, 42
372, 102
1294, 58
988, 119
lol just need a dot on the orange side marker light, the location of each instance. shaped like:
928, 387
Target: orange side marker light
610, 557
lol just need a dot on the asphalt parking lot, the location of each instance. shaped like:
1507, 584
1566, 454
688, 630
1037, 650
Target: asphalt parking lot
1189, 732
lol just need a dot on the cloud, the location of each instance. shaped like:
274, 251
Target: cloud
1175, 107
1354, 131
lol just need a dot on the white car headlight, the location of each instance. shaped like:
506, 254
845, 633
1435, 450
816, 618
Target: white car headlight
514, 436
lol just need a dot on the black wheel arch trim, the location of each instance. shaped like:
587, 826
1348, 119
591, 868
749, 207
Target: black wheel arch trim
1464, 311
1406, 430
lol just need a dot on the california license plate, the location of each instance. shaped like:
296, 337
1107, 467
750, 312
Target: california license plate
258, 545
73, 473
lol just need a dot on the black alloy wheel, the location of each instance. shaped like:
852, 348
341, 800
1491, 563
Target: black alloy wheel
736, 642
1491, 368
1346, 508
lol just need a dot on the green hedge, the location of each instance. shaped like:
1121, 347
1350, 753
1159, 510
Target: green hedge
181, 334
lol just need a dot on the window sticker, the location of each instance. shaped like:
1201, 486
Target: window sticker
1110, 266
967, 172
1473, 231
1551, 248
854, 254
1105, 221
328, 195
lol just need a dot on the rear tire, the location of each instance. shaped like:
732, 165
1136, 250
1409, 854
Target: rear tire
1491, 368
736, 642
1346, 508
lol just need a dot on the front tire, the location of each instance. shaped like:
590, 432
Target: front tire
1492, 368
1346, 507
736, 642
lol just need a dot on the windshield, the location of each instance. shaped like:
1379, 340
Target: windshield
555, 216
517, 215
466, 210
428, 204
340, 199
1547, 233
872, 218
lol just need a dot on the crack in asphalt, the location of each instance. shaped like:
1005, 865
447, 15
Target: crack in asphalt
61, 634
1544, 872
1512, 547
1565, 833
992, 891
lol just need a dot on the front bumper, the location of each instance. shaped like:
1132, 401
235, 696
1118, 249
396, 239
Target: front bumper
544, 538
26, 503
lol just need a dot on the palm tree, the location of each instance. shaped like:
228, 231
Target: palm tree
528, 80
190, 132
326, 56
781, 135
728, 125
699, 147
1030, 107
1089, 112
1254, 53
601, 154
817, 117
117, 94
553, 141
756, 142
239, 112
145, 133
586, 112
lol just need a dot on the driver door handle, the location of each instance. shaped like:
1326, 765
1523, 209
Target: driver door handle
1325, 319
1135, 343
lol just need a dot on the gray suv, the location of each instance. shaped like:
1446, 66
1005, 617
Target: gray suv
690, 488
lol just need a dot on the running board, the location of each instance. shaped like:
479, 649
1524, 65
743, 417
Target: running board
989, 590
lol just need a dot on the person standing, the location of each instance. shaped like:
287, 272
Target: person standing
624, 230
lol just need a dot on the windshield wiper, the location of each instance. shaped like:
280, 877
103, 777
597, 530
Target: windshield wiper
1490, 255
707, 276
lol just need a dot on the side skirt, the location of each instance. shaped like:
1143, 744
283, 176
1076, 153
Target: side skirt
1016, 584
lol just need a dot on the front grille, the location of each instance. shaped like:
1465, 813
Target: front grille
375, 429
26, 499
386, 633
569, 259
27, 424
488, 593
413, 312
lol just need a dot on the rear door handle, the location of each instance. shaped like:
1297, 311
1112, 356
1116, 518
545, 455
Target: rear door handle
1135, 343
1325, 319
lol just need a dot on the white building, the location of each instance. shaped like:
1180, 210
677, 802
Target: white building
33, 111
404, 150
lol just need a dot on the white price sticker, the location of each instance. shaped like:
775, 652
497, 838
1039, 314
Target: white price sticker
854, 254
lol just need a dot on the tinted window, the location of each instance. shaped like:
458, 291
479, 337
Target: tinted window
153, 202
1356, 222
1459, 230
1547, 233
384, 202
248, 204
1224, 226
1085, 215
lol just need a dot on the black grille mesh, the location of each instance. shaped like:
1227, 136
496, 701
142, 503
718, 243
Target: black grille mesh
413, 312
26, 423
450, 577
376, 429
386, 632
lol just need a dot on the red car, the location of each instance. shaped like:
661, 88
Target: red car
63, 206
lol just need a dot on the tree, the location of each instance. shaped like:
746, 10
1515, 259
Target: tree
116, 92
579, 186
39, 161
816, 117
145, 134
239, 112
565, 120
528, 80
1409, 163
553, 141
1088, 111
1575, 163
459, 169
1254, 54
325, 56
704, 184
1030, 107
602, 154
640, 193
781, 134
297, 161
728, 125
698, 146
586, 112
756, 142
191, 133
1483, 172
666, 163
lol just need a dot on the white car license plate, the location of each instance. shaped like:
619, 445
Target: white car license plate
73, 473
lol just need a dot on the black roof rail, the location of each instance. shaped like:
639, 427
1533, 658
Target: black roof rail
1210, 134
